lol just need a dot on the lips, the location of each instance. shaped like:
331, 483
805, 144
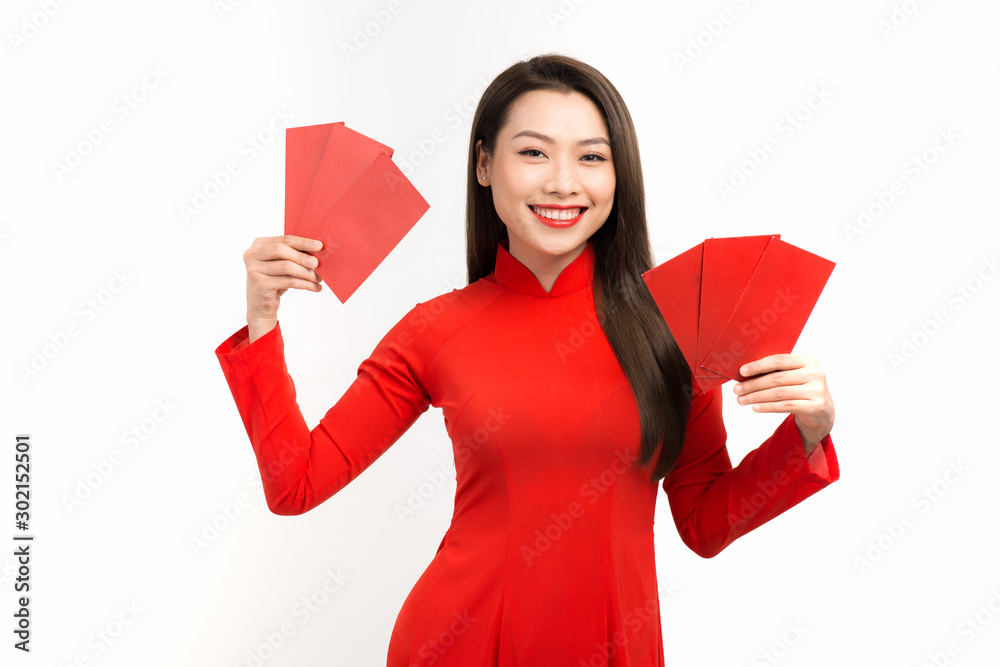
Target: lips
557, 212
558, 216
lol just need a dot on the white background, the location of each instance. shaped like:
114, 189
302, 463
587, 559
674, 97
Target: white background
225, 70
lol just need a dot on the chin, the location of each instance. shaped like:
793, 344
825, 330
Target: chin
563, 245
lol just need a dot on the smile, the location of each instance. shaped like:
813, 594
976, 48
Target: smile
558, 217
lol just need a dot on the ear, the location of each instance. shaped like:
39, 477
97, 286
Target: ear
482, 164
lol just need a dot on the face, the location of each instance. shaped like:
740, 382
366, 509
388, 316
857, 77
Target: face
552, 160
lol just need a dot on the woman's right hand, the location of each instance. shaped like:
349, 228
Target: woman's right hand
274, 264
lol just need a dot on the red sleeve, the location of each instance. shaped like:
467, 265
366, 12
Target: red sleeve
301, 468
714, 503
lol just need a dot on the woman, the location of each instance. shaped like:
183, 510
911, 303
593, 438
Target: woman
565, 396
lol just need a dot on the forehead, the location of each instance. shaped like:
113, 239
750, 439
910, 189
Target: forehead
556, 114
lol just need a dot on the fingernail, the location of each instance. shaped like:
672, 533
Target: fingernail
738, 387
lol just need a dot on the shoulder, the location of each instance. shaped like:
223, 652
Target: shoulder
427, 326
436, 319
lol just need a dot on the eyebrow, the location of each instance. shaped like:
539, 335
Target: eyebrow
549, 140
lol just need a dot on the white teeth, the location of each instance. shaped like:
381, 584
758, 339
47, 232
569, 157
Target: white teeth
557, 213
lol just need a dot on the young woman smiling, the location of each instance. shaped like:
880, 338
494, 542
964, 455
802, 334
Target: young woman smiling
565, 396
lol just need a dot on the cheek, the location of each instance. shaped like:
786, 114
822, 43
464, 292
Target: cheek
518, 185
509, 197
602, 188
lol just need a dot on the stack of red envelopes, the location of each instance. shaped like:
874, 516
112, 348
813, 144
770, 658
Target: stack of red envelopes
730, 301
343, 188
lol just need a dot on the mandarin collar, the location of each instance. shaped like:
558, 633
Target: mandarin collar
510, 272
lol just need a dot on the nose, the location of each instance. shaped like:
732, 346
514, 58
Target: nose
563, 179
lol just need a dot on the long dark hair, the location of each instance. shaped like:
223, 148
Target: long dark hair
649, 356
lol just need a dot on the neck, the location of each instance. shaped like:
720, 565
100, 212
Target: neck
546, 268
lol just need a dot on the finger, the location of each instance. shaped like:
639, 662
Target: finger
776, 394
283, 247
285, 267
294, 250
772, 363
281, 283
794, 406
302, 243
271, 250
776, 378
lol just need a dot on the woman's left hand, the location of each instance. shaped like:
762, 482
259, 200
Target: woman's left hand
790, 383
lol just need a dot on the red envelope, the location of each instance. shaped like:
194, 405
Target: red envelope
365, 225
304, 149
342, 187
773, 309
676, 288
728, 265
709, 293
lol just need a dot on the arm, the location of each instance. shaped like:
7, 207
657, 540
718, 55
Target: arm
300, 468
713, 503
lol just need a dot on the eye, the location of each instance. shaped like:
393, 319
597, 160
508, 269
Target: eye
598, 158
531, 150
